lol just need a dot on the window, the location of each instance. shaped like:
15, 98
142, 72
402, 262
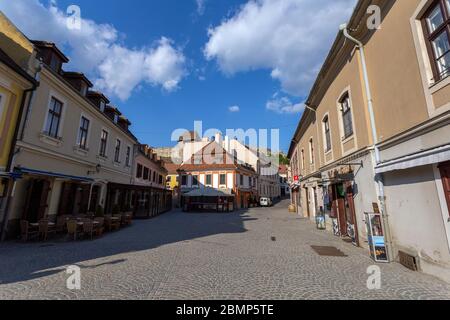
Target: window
223, 179
146, 173
102, 106
326, 130
83, 135
139, 171
436, 25
195, 180
347, 122
117, 151
103, 143
160, 179
303, 159
54, 63
208, 179
311, 151
241, 180
54, 118
183, 180
128, 157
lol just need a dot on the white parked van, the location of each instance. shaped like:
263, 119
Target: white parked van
265, 202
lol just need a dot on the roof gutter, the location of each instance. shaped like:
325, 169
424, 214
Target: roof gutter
360, 46
378, 179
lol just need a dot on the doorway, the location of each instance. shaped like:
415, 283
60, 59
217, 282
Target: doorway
344, 208
36, 202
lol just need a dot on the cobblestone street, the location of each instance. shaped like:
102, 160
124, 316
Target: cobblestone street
257, 254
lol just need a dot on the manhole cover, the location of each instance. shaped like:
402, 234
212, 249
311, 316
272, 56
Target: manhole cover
328, 251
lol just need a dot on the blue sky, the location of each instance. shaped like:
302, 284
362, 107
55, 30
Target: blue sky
201, 57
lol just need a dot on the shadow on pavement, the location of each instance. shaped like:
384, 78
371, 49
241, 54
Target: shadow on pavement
27, 261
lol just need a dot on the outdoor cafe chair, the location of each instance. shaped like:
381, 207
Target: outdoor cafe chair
108, 223
88, 229
45, 229
99, 227
72, 228
61, 223
116, 222
27, 231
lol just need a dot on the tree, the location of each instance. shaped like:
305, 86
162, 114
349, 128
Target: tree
283, 159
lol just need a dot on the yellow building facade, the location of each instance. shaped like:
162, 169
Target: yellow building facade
17, 65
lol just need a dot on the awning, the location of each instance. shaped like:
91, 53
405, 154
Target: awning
210, 192
295, 185
51, 174
423, 158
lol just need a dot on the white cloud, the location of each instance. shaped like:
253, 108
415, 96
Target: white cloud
200, 6
96, 49
288, 37
284, 105
234, 109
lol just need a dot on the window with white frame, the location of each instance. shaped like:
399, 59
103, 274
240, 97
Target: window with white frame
436, 25
128, 157
311, 151
303, 159
209, 180
346, 113
117, 151
54, 118
327, 133
103, 143
223, 179
83, 133
146, 173
195, 180
102, 105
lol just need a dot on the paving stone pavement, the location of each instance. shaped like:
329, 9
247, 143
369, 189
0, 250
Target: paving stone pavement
207, 256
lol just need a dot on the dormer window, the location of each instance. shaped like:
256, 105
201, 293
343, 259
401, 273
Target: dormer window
102, 106
83, 90
116, 118
55, 63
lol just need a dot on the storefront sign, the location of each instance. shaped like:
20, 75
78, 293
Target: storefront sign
377, 243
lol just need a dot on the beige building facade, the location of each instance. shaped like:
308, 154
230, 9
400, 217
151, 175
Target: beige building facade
375, 136
71, 145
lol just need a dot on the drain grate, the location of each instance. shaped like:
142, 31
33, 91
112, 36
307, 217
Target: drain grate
408, 261
328, 251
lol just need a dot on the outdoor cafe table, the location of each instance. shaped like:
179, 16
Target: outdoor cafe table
36, 225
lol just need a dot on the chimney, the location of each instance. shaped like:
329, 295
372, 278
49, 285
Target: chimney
218, 138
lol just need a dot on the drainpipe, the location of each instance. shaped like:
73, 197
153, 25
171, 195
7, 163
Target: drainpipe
28, 93
377, 178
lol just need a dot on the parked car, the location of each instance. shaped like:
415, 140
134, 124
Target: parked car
265, 202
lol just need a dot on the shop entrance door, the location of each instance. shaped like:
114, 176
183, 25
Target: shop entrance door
350, 214
36, 202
